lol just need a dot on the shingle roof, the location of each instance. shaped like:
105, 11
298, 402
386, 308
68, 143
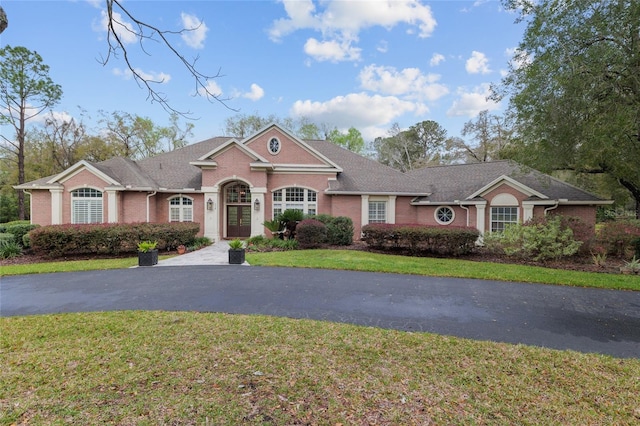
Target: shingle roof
363, 175
461, 181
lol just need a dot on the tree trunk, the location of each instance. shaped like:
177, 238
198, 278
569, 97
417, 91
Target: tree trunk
21, 180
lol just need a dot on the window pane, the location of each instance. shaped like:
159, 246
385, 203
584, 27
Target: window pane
377, 212
502, 217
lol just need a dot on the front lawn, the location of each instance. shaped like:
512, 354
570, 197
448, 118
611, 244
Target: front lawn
149, 368
356, 260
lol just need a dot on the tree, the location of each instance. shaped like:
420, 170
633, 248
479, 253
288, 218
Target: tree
352, 140
135, 137
26, 90
489, 136
4, 22
243, 125
417, 147
574, 88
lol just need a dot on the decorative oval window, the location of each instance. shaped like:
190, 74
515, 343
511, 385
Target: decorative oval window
274, 146
444, 215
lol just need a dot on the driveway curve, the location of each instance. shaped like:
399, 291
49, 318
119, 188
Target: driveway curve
580, 319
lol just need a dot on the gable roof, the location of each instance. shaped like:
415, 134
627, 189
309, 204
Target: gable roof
471, 181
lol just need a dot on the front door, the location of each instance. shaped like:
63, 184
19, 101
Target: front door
239, 221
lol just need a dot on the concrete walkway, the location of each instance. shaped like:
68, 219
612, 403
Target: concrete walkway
215, 254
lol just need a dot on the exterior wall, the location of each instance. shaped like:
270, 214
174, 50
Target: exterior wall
350, 206
133, 207
41, 207
159, 207
502, 189
405, 212
290, 152
233, 162
426, 215
81, 180
585, 213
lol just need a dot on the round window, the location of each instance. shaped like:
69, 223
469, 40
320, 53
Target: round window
274, 145
444, 215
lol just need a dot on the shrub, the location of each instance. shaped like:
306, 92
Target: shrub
311, 233
617, 237
582, 232
9, 249
260, 243
448, 240
19, 229
61, 240
4, 236
340, 231
537, 240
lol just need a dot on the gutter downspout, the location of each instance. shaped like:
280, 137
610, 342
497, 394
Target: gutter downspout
149, 196
466, 208
551, 208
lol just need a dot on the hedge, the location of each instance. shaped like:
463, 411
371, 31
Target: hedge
448, 240
18, 229
112, 239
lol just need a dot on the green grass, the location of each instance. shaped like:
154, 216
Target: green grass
364, 261
71, 266
149, 368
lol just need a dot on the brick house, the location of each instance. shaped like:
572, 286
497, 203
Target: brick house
231, 187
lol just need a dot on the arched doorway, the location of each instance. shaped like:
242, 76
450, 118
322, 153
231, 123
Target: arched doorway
237, 196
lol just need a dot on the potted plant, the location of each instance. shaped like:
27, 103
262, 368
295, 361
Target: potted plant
236, 252
181, 249
147, 253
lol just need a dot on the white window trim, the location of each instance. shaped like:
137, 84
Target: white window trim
305, 203
89, 201
453, 215
384, 203
491, 221
181, 207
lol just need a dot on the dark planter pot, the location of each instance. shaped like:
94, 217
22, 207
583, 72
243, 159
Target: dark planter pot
236, 256
148, 258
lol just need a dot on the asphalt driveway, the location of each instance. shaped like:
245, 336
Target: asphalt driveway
585, 320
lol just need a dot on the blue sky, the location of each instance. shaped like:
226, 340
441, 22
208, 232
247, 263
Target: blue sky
360, 63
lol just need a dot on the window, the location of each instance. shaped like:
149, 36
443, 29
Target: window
274, 146
377, 212
444, 215
86, 206
238, 193
302, 199
180, 209
503, 216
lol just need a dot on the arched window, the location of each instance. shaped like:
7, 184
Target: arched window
180, 209
238, 193
294, 198
86, 206
504, 212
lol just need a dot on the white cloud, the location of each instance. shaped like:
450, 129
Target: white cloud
477, 63
383, 46
357, 109
196, 31
436, 59
255, 94
409, 82
470, 103
212, 87
156, 77
333, 51
340, 22
124, 30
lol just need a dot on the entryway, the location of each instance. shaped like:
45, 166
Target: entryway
239, 221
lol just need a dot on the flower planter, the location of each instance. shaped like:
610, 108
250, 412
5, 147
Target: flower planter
236, 256
148, 258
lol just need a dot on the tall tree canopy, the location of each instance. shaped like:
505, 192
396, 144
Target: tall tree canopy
351, 140
416, 147
26, 90
485, 139
574, 88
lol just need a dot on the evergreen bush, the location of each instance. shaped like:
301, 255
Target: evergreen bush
311, 233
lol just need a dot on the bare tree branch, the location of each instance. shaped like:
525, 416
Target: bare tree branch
146, 32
